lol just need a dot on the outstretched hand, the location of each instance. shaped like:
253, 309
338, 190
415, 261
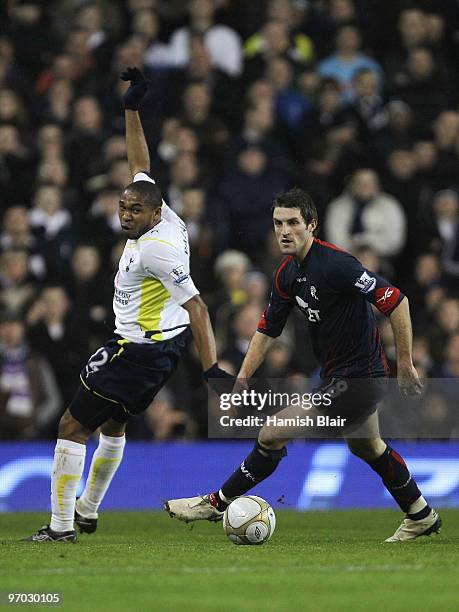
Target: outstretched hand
136, 90
219, 380
408, 380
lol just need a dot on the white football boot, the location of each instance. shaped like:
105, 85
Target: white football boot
190, 509
410, 529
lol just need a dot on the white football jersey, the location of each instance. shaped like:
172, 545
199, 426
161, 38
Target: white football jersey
153, 281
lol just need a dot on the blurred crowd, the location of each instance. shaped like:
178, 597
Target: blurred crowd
356, 102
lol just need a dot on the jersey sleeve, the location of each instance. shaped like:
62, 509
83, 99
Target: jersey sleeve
166, 211
275, 315
161, 261
347, 274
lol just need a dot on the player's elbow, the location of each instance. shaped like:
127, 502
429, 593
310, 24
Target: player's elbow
402, 306
196, 307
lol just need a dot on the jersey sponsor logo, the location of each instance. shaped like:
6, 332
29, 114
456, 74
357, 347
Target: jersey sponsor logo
365, 283
122, 297
312, 313
386, 298
179, 275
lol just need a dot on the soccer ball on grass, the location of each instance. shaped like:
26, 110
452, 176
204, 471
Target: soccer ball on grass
249, 520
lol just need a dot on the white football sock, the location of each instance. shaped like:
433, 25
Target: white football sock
67, 471
417, 505
105, 461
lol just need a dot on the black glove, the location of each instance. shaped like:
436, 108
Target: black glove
219, 380
137, 89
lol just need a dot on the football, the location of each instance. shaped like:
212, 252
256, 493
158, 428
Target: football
249, 520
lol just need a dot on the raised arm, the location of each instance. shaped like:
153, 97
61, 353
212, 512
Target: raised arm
137, 149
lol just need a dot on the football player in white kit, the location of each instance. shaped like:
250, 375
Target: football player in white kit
155, 301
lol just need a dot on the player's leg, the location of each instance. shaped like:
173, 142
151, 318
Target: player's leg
385, 461
85, 414
105, 462
260, 463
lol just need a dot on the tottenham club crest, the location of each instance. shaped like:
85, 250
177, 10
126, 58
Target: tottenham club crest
314, 293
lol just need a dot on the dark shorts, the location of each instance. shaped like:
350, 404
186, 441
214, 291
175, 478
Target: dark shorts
353, 399
122, 378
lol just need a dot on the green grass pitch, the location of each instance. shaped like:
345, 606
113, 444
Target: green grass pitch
315, 561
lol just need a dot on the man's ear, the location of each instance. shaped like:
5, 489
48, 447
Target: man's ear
312, 226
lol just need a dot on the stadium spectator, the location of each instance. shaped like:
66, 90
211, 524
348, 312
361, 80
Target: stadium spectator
245, 195
145, 24
446, 131
328, 125
55, 330
84, 145
56, 104
398, 133
12, 109
103, 222
17, 235
290, 104
450, 364
184, 173
426, 276
366, 215
368, 104
442, 235
230, 269
256, 287
29, 397
31, 35
446, 324
347, 60
50, 141
421, 87
426, 157
163, 421
210, 129
17, 283
276, 41
15, 160
258, 128
222, 88
89, 292
47, 217
222, 42
243, 327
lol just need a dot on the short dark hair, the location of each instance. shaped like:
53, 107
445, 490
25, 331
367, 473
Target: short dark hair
150, 193
297, 198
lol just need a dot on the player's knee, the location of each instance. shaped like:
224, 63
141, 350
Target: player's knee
268, 439
367, 449
71, 429
112, 428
